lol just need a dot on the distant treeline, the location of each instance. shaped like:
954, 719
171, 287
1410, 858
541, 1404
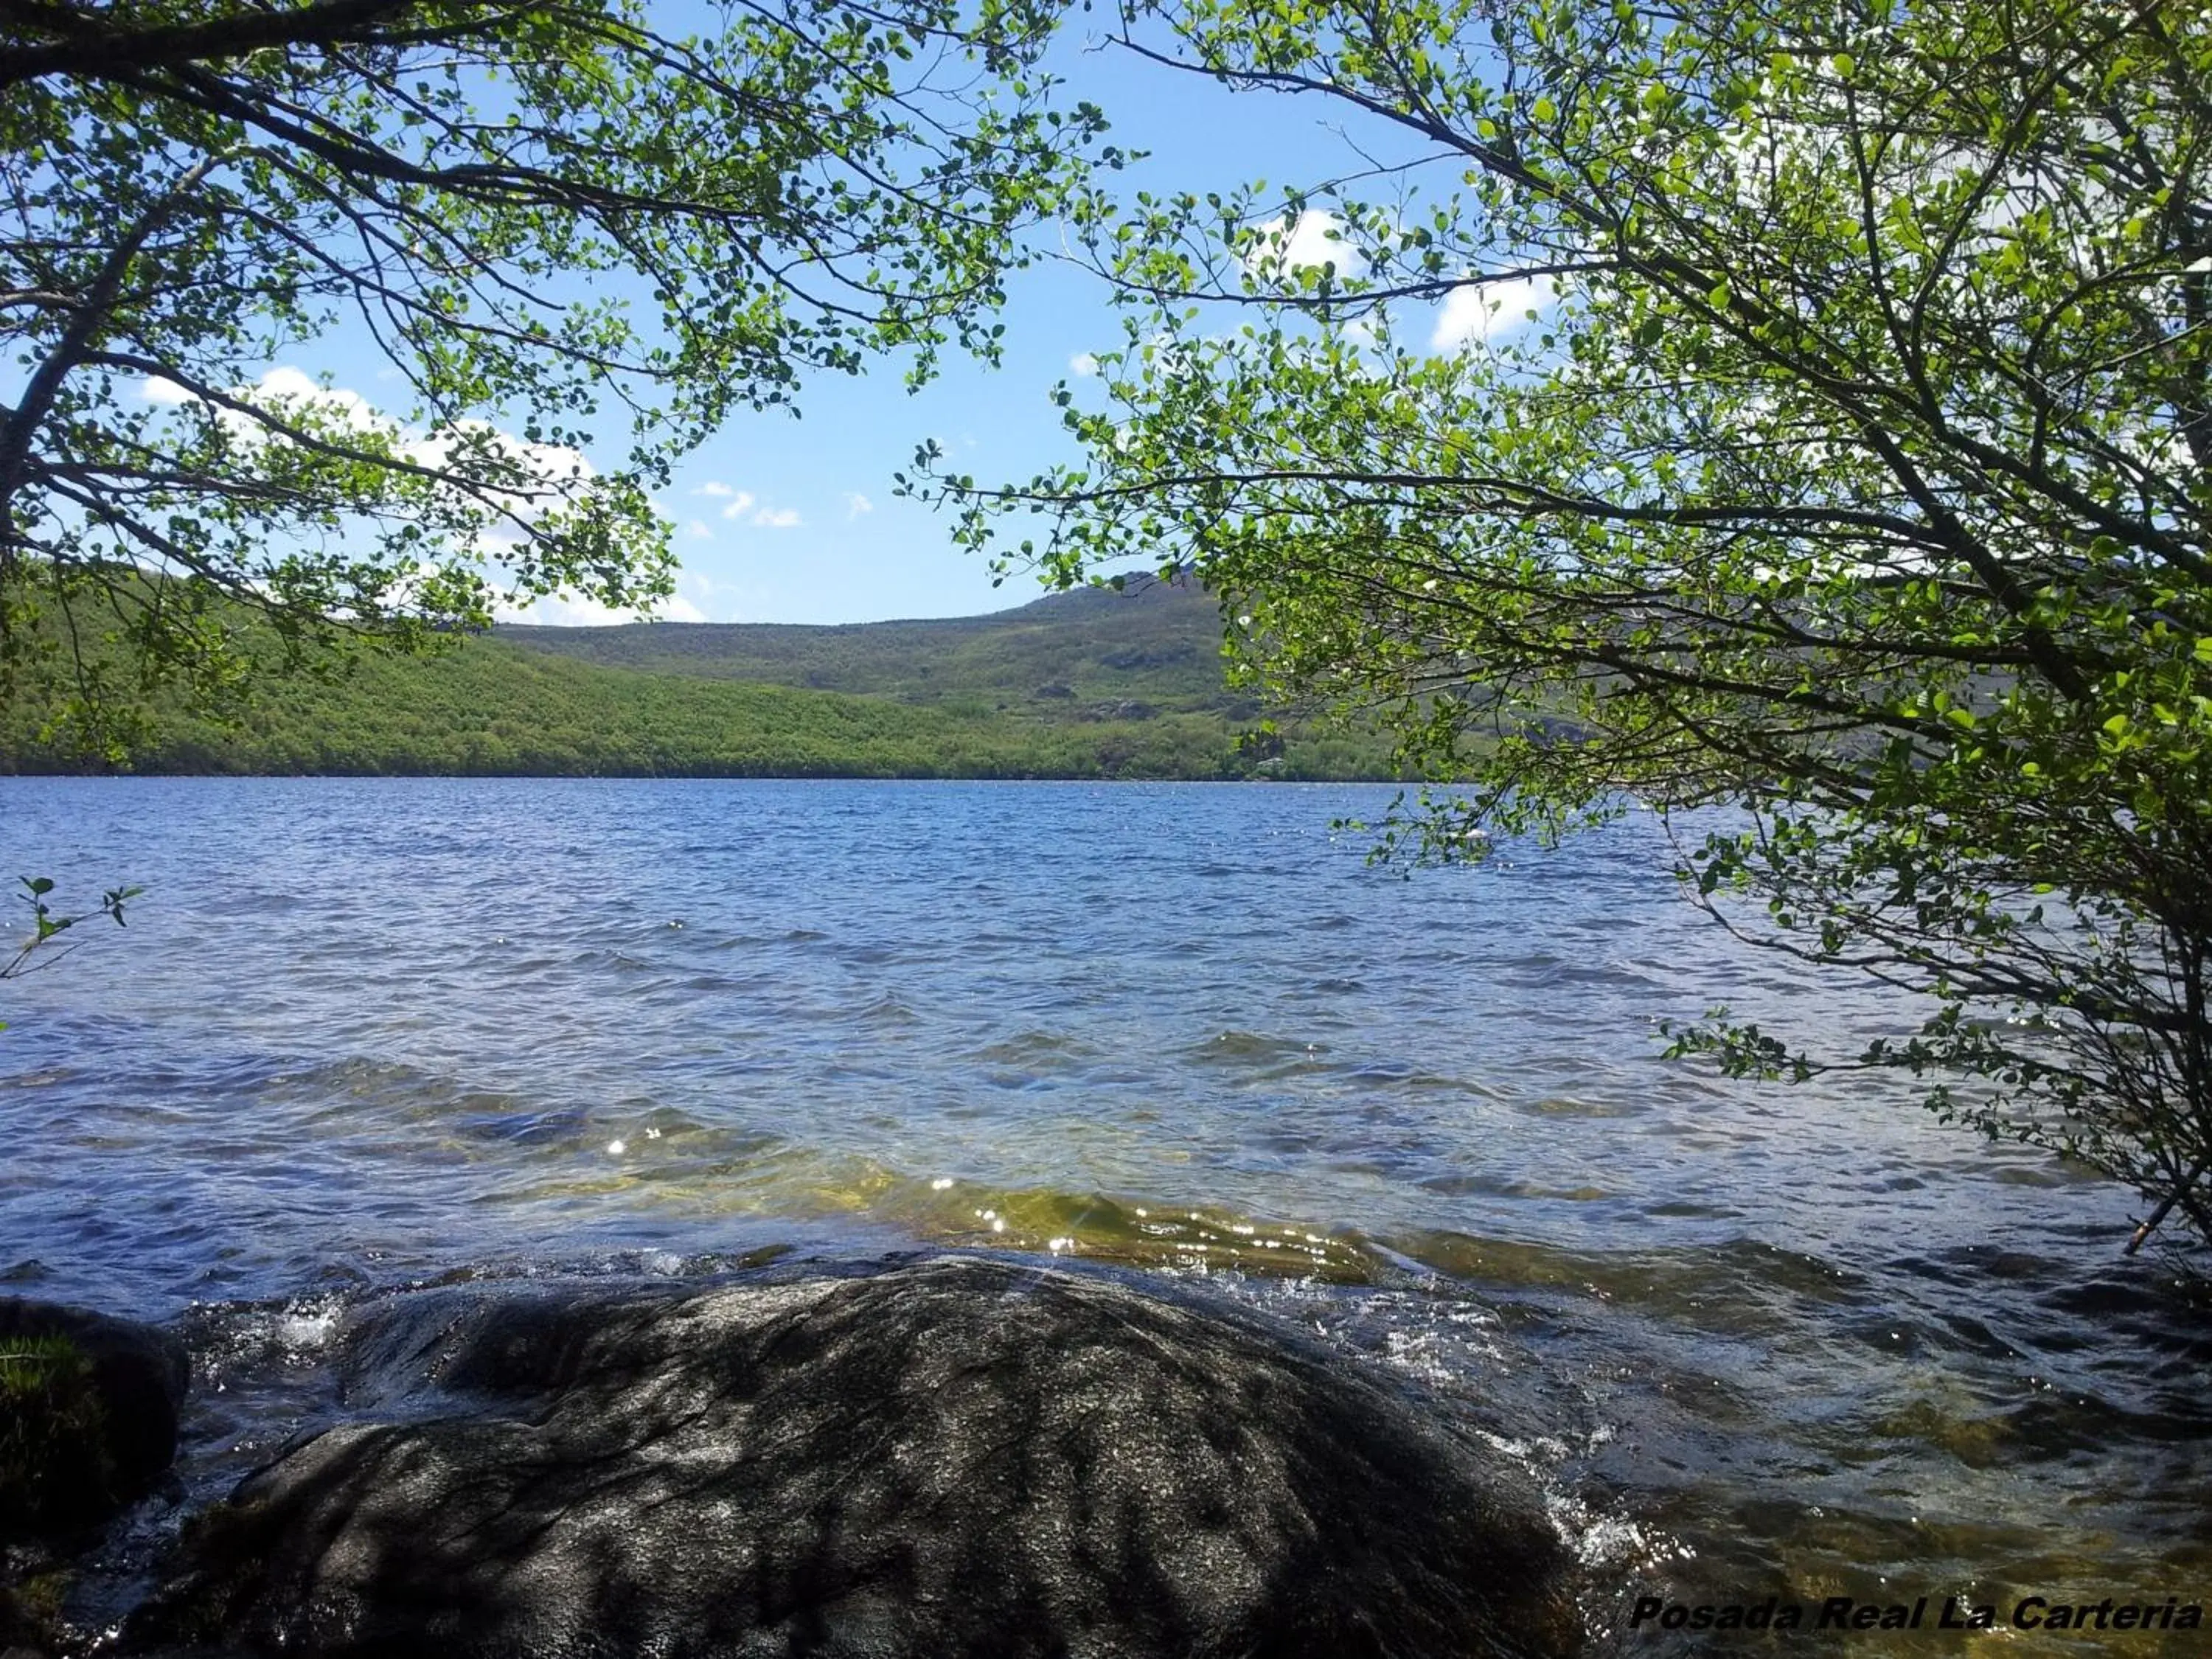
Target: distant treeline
488, 707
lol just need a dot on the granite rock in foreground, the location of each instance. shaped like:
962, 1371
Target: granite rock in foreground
961, 1455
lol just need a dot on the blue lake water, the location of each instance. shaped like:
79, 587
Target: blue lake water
1752, 1338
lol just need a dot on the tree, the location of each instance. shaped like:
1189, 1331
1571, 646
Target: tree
1817, 420
477, 192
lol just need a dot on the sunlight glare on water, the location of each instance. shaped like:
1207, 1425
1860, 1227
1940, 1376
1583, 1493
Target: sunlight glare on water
361, 1033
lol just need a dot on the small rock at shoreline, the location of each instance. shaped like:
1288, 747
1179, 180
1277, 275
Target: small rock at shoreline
88, 1415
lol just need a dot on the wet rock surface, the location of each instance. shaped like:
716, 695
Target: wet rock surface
958, 1455
88, 1415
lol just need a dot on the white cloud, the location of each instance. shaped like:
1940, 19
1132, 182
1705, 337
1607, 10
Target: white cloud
857, 505
544, 474
1083, 363
562, 610
744, 504
277, 391
575, 611
698, 529
1490, 312
1280, 246
696, 599
553, 470
289, 384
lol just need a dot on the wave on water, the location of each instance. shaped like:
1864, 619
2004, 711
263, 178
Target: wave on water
363, 1034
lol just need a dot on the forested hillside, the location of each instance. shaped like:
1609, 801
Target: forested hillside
1081, 686
1086, 654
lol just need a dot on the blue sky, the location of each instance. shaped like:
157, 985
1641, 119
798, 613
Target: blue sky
793, 521
808, 530
811, 531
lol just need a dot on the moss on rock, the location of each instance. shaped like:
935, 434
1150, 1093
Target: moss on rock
55, 1463
87, 1416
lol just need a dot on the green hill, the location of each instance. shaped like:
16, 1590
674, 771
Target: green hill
1085, 655
1082, 685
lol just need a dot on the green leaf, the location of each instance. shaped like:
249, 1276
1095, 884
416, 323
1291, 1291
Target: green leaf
1836, 489
559, 223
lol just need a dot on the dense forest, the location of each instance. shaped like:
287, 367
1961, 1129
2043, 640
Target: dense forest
1086, 654
1093, 684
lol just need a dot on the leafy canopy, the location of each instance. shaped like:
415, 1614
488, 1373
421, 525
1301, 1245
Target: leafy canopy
1817, 419
579, 244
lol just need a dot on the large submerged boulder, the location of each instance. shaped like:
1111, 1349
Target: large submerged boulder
88, 1415
954, 1456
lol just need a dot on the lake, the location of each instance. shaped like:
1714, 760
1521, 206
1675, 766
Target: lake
1752, 1339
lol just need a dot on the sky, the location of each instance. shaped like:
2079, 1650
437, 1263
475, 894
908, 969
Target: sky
793, 520
780, 520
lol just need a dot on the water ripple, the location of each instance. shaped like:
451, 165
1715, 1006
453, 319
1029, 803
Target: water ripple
362, 1033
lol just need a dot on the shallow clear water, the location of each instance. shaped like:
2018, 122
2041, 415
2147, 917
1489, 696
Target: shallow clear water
1752, 1339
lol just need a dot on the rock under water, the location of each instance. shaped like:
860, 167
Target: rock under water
957, 1455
